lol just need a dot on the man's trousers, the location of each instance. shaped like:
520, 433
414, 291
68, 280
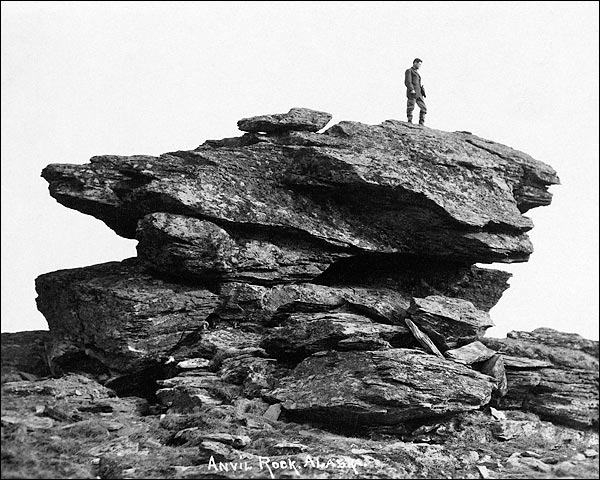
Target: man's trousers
410, 106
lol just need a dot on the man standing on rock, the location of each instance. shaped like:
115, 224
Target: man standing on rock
415, 92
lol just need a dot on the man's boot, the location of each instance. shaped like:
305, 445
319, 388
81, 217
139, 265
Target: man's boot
409, 119
422, 120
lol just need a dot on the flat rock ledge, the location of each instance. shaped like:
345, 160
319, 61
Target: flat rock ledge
380, 387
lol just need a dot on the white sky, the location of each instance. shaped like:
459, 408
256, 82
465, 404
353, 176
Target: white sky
82, 79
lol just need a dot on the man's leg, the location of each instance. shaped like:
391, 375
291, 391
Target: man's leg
410, 106
422, 111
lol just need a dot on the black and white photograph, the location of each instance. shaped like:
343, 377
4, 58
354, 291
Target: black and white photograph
300, 239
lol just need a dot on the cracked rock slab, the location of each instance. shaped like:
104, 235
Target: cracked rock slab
297, 119
303, 334
380, 387
187, 247
450, 322
471, 353
118, 315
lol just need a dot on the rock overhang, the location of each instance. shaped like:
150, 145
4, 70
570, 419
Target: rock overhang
365, 188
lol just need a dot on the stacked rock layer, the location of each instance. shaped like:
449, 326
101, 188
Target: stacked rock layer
331, 274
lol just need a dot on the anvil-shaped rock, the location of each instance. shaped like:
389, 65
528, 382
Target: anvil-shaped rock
354, 189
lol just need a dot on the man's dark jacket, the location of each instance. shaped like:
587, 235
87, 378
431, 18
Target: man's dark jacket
412, 80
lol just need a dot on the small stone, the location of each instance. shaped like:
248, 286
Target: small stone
590, 453
563, 469
361, 451
181, 468
497, 414
113, 426
483, 471
298, 447
494, 367
425, 429
536, 464
513, 460
579, 457
273, 412
192, 363
31, 423
473, 352
471, 457
237, 441
78, 392
151, 442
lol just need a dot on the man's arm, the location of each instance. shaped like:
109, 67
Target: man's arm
408, 81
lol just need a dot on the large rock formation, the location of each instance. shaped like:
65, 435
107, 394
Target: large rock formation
353, 190
308, 270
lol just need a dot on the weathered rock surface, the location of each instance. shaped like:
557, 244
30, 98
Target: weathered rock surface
118, 315
471, 353
383, 188
380, 387
24, 355
181, 246
450, 322
562, 386
303, 334
385, 302
297, 119
550, 346
187, 393
495, 368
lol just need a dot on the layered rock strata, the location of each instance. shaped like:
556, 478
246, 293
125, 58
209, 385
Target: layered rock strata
284, 265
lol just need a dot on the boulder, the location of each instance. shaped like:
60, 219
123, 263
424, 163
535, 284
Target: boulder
385, 188
450, 322
379, 387
118, 315
187, 247
297, 119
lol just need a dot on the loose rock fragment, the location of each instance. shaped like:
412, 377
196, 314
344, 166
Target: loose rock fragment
471, 353
298, 119
494, 367
423, 339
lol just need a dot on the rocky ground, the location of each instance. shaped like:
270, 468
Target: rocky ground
302, 304
73, 427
